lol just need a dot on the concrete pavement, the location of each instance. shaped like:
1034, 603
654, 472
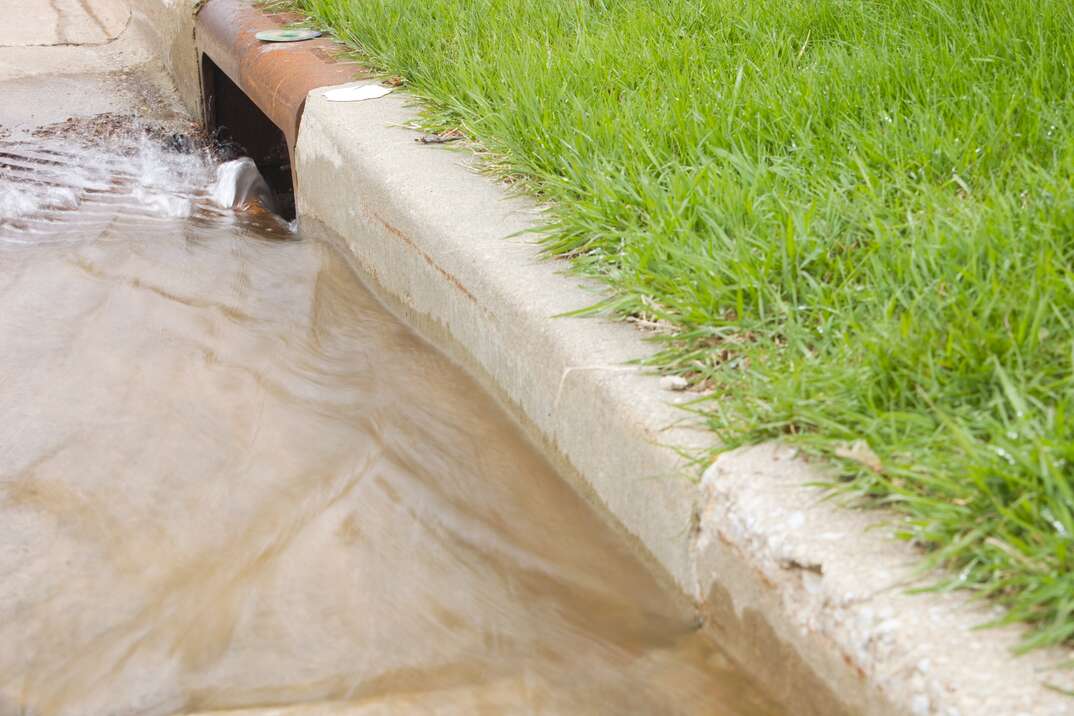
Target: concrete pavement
79, 58
36, 23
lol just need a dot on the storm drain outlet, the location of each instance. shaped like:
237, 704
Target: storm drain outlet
240, 128
254, 92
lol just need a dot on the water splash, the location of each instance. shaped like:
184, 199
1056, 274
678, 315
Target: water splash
240, 185
83, 184
39, 177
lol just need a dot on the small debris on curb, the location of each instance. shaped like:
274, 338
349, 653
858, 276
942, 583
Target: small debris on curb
451, 136
674, 382
356, 93
860, 452
296, 35
793, 564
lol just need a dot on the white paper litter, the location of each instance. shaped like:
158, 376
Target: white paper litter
354, 93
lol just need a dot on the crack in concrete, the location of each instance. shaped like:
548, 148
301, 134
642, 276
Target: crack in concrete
93, 16
63, 21
60, 29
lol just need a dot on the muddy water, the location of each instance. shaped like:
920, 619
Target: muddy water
230, 480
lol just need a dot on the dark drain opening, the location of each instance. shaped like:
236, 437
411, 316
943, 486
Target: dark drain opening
235, 121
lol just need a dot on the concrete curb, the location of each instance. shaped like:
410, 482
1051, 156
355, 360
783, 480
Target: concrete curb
793, 587
832, 583
173, 23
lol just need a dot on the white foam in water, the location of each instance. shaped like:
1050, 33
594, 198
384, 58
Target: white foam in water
18, 200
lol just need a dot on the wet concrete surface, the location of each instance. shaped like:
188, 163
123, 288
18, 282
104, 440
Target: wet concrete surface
229, 479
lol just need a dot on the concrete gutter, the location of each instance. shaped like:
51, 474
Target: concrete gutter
794, 587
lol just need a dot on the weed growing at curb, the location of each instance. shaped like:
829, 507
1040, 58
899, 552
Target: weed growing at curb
857, 216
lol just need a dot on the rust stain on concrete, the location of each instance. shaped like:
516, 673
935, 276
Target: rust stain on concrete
428, 259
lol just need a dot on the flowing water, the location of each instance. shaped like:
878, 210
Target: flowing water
229, 479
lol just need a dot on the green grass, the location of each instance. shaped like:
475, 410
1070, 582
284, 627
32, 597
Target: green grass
857, 216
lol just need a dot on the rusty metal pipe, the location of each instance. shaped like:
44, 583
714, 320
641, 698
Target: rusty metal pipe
275, 76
